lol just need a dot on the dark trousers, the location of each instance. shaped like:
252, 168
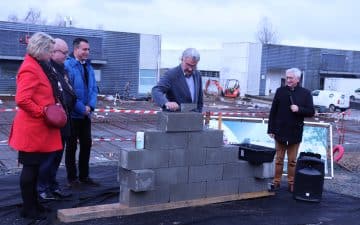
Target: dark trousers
48, 170
80, 130
28, 186
28, 180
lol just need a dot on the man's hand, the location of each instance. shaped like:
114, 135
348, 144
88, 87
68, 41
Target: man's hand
294, 108
87, 110
172, 106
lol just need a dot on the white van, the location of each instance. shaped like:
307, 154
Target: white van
355, 95
326, 100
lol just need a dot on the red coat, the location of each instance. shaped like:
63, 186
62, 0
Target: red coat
29, 132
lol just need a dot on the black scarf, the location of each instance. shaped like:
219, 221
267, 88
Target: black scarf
54, 81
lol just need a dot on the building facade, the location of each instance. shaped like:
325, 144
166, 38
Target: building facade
117, 57
261, 68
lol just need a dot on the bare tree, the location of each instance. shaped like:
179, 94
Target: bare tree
13, 18
266, 34
33, 16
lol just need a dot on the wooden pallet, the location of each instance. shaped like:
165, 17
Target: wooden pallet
117, 209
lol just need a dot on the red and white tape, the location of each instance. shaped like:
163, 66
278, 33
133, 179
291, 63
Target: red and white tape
255, 114
130, 111
112, 139
9, 110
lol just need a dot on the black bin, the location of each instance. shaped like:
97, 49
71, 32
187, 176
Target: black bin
256, 154
309, 177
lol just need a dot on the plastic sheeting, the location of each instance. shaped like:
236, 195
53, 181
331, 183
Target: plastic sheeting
280, 209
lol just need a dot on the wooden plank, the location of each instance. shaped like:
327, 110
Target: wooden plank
117, 209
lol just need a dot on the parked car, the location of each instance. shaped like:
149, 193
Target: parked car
326, 100
355, 95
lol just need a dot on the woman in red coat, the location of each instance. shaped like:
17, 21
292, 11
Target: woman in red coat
30, 135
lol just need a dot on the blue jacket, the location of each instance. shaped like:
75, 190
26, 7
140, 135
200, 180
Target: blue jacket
172, 87
86, 95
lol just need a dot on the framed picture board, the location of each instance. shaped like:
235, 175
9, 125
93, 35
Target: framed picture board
317, 136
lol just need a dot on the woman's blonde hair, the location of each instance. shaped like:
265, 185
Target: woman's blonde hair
39, 44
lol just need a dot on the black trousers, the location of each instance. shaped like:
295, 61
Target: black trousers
80, 130
28, 180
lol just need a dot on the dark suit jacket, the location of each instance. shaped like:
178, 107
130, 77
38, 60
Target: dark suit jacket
172, 87
285, 124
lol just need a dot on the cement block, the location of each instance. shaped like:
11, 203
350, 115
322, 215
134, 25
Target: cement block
188, 157
264, 170
137, 180
188, 107
182, 192
225, 154
247, 185
180, 121
205, 173
133, 199
239, 169
206, 138
132, 159
159, 140
173, 175
222, 187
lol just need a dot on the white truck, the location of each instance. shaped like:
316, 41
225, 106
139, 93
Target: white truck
349, 86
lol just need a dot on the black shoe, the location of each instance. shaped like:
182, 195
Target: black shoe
273, 187
61, 193
89, 181
42, 209
73, 184
46, 196
35, 215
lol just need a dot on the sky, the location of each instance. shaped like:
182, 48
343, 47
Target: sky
206, 24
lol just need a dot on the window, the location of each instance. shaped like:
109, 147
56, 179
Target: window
147, 80
8, 71
315, 93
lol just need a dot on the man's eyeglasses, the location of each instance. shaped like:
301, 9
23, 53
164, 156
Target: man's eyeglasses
58, 50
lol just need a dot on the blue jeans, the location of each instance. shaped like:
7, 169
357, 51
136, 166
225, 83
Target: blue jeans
48, 170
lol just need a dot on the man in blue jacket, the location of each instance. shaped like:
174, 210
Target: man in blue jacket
82, 79
181, 84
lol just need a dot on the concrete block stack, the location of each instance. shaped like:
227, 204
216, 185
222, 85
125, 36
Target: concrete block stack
183, 161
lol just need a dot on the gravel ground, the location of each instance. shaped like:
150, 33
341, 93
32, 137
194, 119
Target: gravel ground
346, 176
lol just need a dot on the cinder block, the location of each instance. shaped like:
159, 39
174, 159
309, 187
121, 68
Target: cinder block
188, 107
137, 180
205, 173
159, 140
132, 199
222, 187
180, 121
264, 170
239, 169
173, 175
225, 154
252, 185
133, 159
206, 138
182, 192
188, 157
